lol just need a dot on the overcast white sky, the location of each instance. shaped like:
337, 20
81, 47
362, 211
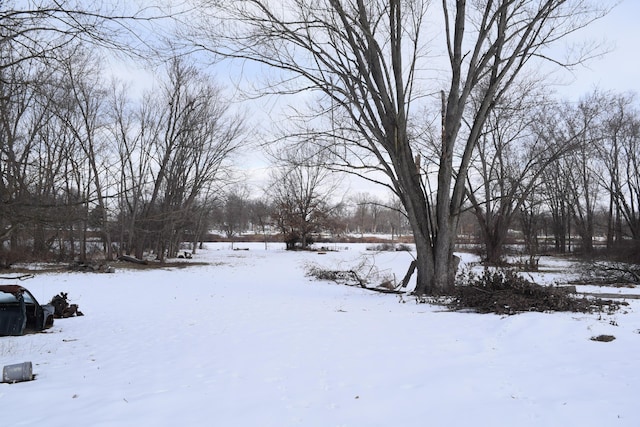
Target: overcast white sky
618, 70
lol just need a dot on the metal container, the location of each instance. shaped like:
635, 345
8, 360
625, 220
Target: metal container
17, 373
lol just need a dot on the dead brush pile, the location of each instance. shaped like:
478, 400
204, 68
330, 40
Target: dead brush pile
506, 292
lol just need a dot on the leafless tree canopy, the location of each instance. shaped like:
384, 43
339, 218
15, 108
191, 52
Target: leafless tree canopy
364, 59
303, 191
41, 29
80, 166
176, 152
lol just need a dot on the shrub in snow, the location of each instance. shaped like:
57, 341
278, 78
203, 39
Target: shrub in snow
390, 247
505, 292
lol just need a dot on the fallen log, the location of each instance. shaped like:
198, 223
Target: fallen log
609, 296
386, 290
129, 258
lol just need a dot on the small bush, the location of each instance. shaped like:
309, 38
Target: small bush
506, 292
382, 247
612, 273
390, 247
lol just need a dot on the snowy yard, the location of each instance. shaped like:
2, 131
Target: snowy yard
248, 340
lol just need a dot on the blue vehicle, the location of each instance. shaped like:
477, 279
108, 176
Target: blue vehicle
21, 313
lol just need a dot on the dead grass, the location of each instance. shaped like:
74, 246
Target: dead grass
118, 265
153, 265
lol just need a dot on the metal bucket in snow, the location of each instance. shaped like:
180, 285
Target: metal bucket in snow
17, 373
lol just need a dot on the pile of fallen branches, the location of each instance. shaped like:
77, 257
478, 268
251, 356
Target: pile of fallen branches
617, 274
506, 292
90, 267
342, 277
361, 275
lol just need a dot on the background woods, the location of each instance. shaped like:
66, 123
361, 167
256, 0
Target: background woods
91, 168
86, 169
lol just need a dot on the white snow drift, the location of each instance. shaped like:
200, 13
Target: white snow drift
249, 340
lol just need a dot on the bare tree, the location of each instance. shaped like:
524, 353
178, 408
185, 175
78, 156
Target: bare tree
47, 176
61, 186
82, 108
504, 170
44, 29
234, 218
364, 59
366, 211
583, 168
135, 130
302, 190
531, 224
261, 212
35, 153
174, 155
620, 154
16, 102
555, 182
513, 153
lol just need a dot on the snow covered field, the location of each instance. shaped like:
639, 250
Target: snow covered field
250, 341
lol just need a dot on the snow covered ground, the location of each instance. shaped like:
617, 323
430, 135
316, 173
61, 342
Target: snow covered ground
249, 340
